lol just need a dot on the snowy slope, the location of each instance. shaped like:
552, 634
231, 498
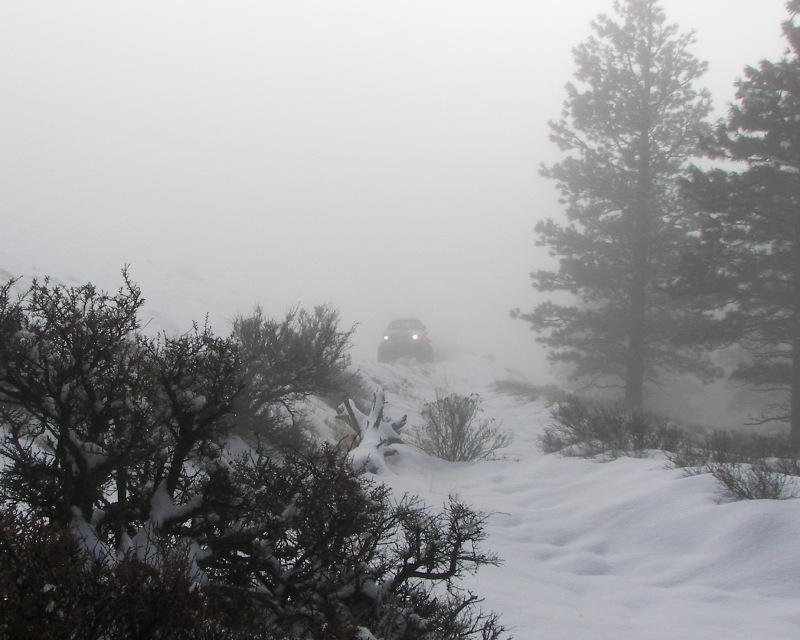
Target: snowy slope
624, 550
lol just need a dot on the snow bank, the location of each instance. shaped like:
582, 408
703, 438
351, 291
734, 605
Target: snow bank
627, 549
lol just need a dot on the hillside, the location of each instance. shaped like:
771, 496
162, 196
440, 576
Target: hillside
625, 550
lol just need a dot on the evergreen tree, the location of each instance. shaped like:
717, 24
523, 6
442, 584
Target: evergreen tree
750, 227
629, 124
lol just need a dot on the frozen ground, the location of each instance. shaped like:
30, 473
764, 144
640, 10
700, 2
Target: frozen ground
625, 550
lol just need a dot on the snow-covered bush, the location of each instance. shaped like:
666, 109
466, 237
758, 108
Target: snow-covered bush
454, 431
327, 549
586, 429
51, 587
729, 446
748, 466
105, 430
119, 442
77, 397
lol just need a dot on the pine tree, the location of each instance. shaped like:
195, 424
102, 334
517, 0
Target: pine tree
750, 223
630, 123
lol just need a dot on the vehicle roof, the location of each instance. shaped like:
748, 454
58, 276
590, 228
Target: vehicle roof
406, 323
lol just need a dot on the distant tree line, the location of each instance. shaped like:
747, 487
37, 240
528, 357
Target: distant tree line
667, 261
126, 513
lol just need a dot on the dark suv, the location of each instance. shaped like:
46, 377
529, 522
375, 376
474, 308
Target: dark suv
405, 338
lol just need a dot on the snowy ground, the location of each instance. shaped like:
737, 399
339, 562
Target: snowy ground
624, 550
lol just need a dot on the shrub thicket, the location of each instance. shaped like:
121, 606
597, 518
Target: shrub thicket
118, 442
606, 431
52, 587
748, 466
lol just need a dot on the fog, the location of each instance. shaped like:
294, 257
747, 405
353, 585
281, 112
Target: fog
378, 156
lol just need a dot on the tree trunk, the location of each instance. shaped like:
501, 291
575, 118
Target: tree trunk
794, 408
637, 333
635, 365
794, 402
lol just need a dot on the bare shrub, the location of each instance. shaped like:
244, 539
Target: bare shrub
714, 447
748, 466
608, 431
454, 431
789, 466
348, 384
730, 447
757, 481
525, 391
739, 446
688, 455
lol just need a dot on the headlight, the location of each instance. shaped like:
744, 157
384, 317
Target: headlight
415, 337
385, 337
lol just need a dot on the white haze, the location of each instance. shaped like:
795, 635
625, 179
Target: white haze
378, 156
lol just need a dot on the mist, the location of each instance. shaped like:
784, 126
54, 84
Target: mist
379, 157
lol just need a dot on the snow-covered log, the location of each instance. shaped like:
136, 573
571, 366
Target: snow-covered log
375, 434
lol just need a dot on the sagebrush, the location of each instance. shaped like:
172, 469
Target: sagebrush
748, 466
606, 431
454, 429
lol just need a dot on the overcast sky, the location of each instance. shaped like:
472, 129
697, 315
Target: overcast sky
378, 156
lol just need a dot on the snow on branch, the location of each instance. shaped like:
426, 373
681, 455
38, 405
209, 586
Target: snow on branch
376, 435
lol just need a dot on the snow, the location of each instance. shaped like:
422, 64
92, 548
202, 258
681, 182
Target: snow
375, 436
626, 549
85, 533
162, 508
93, 454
